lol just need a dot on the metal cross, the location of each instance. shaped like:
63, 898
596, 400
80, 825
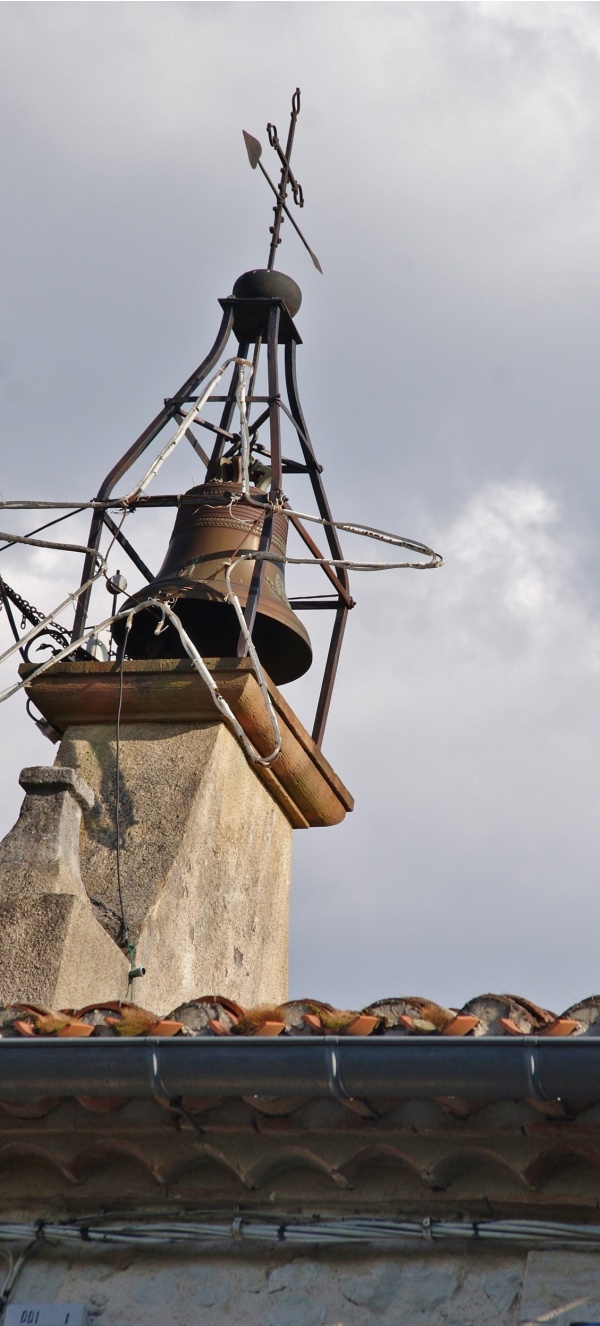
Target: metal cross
287, 180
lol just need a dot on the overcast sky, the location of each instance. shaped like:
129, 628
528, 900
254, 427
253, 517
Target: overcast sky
450, 158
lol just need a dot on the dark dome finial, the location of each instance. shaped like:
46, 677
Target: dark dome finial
261, 283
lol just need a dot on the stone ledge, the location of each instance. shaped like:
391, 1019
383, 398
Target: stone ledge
171, 691
47, 778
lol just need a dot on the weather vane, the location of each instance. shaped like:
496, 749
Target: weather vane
287, 180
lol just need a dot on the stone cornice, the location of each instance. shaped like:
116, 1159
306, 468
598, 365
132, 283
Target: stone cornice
171, 691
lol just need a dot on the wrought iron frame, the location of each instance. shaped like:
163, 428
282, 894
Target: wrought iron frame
253, 322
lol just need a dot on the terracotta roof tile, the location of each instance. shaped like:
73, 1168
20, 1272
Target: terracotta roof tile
215, 1015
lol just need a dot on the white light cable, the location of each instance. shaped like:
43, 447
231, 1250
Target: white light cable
218, 699
240, 396
384, 536
188, 419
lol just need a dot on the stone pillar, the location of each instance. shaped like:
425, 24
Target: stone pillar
205, 859
52, 948
205, 839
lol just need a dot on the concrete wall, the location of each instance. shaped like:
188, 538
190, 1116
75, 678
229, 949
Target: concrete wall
471, 1286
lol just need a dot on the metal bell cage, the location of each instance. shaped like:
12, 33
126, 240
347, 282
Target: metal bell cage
260, 312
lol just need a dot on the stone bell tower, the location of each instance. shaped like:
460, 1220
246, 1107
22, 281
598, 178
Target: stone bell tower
159, 840
155, 855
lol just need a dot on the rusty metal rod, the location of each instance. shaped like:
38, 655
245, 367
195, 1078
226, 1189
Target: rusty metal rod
316, 552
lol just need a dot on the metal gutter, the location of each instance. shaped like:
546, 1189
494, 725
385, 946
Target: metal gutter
493, 1068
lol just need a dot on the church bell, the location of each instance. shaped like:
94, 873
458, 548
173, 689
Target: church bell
218, 524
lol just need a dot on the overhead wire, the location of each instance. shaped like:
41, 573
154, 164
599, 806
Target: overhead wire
32, 532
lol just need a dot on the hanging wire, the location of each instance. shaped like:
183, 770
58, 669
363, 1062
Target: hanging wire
124, 937
14, 1271
32, 532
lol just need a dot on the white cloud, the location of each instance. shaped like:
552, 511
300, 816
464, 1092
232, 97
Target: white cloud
466, 726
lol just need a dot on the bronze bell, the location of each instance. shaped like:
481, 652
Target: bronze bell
206, 534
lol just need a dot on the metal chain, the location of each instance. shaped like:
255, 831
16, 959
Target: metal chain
33, 615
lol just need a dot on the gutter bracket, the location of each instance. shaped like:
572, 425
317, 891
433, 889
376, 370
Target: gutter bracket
159, 1090
334, 1080
532, 1071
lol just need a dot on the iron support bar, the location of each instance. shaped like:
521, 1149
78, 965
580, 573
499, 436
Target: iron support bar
262, 419
133, 454
311, 605
250, 400
326, 692
264, 545
179, 416
214, 428
9, 616
227, 414
316, 552
252, 380
127, 547
274, 422
309, 455
295, 466
342, 583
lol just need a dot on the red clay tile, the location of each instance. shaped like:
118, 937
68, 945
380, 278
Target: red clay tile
164, 1028
562, 1027
510, 1027
76, 1029
461, 1025
363, 1025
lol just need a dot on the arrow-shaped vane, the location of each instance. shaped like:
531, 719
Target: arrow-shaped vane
254, 151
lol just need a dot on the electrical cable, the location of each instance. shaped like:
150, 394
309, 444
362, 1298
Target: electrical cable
277, 1229
124, 928
46, 543
32, 532
15, 1268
